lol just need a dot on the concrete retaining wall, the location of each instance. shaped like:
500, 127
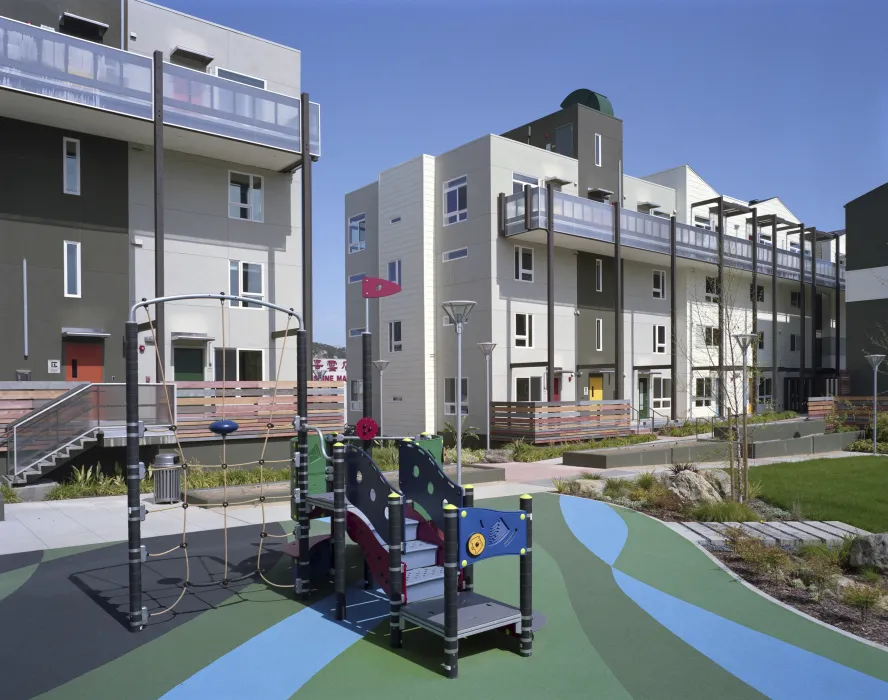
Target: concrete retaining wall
809, 445
648, 456
780, 430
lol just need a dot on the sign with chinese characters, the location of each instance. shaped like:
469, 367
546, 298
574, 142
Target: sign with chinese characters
331, 370
54, 366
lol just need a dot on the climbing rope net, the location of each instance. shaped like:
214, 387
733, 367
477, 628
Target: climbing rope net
223, 466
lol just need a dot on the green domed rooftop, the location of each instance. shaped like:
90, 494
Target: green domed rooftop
591, 99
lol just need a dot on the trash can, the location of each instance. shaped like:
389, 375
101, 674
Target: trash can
434, 444
167, 481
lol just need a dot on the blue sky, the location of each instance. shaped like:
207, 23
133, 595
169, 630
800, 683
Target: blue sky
784, 98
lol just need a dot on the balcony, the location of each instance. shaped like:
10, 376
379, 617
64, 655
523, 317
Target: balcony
106, 91
594, 221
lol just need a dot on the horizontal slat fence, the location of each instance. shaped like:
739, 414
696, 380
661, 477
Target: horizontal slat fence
541, 422
254, 404
820, 406
17, 399
858, 410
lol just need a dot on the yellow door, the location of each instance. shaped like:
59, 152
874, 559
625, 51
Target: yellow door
596, 387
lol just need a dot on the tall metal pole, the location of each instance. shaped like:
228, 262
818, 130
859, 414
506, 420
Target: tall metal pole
618, 310
673, 327
774, 365
744, 488
303, 523
838, 318
550, 288
339, 508
487, 394
396, 538
803, 370
134, 508
381, 404
451, 595
305, 137
755, 301
875, 406
159, 322
721, 307
459, 403
367, 346
525, 581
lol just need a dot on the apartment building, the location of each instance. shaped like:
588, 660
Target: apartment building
630, 317
867, 280
78, 111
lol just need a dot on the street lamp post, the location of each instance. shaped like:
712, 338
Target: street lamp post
487, 349
745, 340
458, 311
875, 361
381, 365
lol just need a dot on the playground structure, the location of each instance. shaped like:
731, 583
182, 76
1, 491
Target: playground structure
419, 540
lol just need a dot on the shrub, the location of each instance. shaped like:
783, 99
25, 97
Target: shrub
867, 445
870, 575
570, 487
723, 512
615, 487
819, 553
862, 597
523, 452
469, 433
645, 481
755, 489
818, 573
680, 467
468, 456
9, 494
844, 551
591, 476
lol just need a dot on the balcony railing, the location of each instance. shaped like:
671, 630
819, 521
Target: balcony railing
593, 220
53, 65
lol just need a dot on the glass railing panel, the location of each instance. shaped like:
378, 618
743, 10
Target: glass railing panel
583, 217
644, 231
314, 134
61, 67
204, 102
696, 243
738, 252
514, 213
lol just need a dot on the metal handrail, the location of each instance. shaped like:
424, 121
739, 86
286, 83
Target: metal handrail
54, 403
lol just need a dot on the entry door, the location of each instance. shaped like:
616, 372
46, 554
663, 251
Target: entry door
556, 389
644, 397
792, 394
596, 387
188, 364
84, 360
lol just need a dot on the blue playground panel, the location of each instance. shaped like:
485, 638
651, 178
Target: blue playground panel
485, 533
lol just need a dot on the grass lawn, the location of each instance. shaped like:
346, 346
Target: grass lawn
853, 490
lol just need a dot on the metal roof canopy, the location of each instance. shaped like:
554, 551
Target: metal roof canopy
730, 208
85, 333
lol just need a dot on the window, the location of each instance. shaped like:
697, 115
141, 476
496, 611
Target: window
598, 150
661, 391
456, 206
761, 335
792, 342
519, 181
240, 78
355, 332
703, 222
564, 140
794, 298
599, 334
235, 364
794, 246
658, 212
354, 279
659, 291
765, 238
72, 269
523, 330
753, 296
765, 390
450, 396
356, 394
71, 166
523, 264
659, 339
711, 336
703, 392
529, 389
394, 336
394, 271
245, 280
357, 233
712, 290
598, 275
455, 254
245, 199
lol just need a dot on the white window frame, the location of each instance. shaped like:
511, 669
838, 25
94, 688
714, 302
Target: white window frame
239, 292
355, 332
458, 214
599, 275
356, 389
704, 398
598, 150
538, 380
238, 354
388, 271
450, 255
665, 390
241, 75
659, 212
357, 277
361, 243
519, 179
763, 383
66, 186
659, 289
447, 320
703, 222
395, 345
765, 238
450, 406
753, 292
659, 345
599, 334
79, 292
526, 340
520, 270
250, 205
711, 297
710, 335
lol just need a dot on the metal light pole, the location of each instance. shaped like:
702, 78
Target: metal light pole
745, 340
381, 365
458, 311
487, 349
875, 361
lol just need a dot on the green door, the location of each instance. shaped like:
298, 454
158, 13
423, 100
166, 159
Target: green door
188, 364
644, 398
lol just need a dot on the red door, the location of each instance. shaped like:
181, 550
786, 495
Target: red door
84, 360
556, 392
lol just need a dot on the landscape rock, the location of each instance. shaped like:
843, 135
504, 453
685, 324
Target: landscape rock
721, 480
871, 550
591, 487
498, 456
692, 488
843, 582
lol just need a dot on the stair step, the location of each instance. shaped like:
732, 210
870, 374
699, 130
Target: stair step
417, 553
423, 583
410, 526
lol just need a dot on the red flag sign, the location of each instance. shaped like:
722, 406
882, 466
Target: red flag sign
376, 287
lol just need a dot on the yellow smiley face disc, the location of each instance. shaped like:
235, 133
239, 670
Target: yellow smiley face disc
476, 544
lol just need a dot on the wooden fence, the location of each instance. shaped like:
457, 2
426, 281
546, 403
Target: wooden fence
852, 410
250, 405
539, 422
820, 406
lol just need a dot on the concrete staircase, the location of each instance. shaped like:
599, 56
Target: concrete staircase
52, 461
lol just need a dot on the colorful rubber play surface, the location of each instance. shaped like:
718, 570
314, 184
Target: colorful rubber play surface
633, 611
